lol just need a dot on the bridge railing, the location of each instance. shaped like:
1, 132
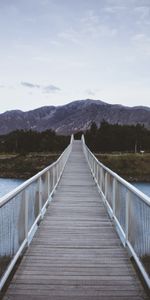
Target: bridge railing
128, 207
21, 211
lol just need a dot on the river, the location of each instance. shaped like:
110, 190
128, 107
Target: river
143, 187
7, 185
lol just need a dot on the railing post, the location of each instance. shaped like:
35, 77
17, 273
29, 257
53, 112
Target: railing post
101, 170
26, 215
53, 172
93, 165
114, 197
127, 215
40, 197
61, 167
57, 172
56, 169
95, 169
105, 186
97, 174
48, 182
89, 159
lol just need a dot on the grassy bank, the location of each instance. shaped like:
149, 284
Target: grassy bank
132, 167
24, 166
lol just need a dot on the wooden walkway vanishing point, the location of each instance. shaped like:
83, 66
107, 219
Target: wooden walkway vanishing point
76, 253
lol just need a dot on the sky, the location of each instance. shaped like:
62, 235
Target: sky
53, 52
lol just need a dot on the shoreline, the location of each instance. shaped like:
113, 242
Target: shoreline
131, 167
19, 166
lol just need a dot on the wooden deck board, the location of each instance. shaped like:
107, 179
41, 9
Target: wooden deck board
76, 253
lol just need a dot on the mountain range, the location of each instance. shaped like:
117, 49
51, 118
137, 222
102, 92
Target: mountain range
72, 117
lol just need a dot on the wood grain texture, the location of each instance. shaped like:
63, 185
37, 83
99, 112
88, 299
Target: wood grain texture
76, 253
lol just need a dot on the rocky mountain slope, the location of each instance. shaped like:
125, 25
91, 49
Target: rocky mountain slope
73, 117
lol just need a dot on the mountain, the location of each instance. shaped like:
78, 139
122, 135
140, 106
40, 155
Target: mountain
73, 117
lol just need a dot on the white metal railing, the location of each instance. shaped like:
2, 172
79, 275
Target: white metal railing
128, 207
21, 211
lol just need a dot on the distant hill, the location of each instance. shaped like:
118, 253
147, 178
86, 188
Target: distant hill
72, 117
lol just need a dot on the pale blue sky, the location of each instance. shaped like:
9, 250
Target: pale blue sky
56, 51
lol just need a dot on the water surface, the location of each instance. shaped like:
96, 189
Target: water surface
143, 187
7, 185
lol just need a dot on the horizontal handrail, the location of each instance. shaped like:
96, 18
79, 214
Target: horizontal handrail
22, 209
144, 197
128, 207
4, 199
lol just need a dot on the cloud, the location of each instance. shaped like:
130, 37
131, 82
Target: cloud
51, 89
45, 89
114, 9
90, 92
139, 37
70, 35
42, 59
141, 43
1, 86
93, 25
90, 26
143, 12
55, 43
30, 85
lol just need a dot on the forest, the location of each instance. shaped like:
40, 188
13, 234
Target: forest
112, 138
23, 142
106, 138
25, 153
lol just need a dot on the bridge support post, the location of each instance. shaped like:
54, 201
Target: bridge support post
105, 193
101, 178
97, 174
127, 216
114, 197
26, 215
53, 171
48, 185
40, 198
57, 173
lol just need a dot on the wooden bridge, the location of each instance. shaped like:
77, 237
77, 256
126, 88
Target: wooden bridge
76, 252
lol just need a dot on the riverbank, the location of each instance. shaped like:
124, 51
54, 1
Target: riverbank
25, 166
132, 167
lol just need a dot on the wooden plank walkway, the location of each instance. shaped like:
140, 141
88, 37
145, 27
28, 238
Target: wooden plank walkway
76, 253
